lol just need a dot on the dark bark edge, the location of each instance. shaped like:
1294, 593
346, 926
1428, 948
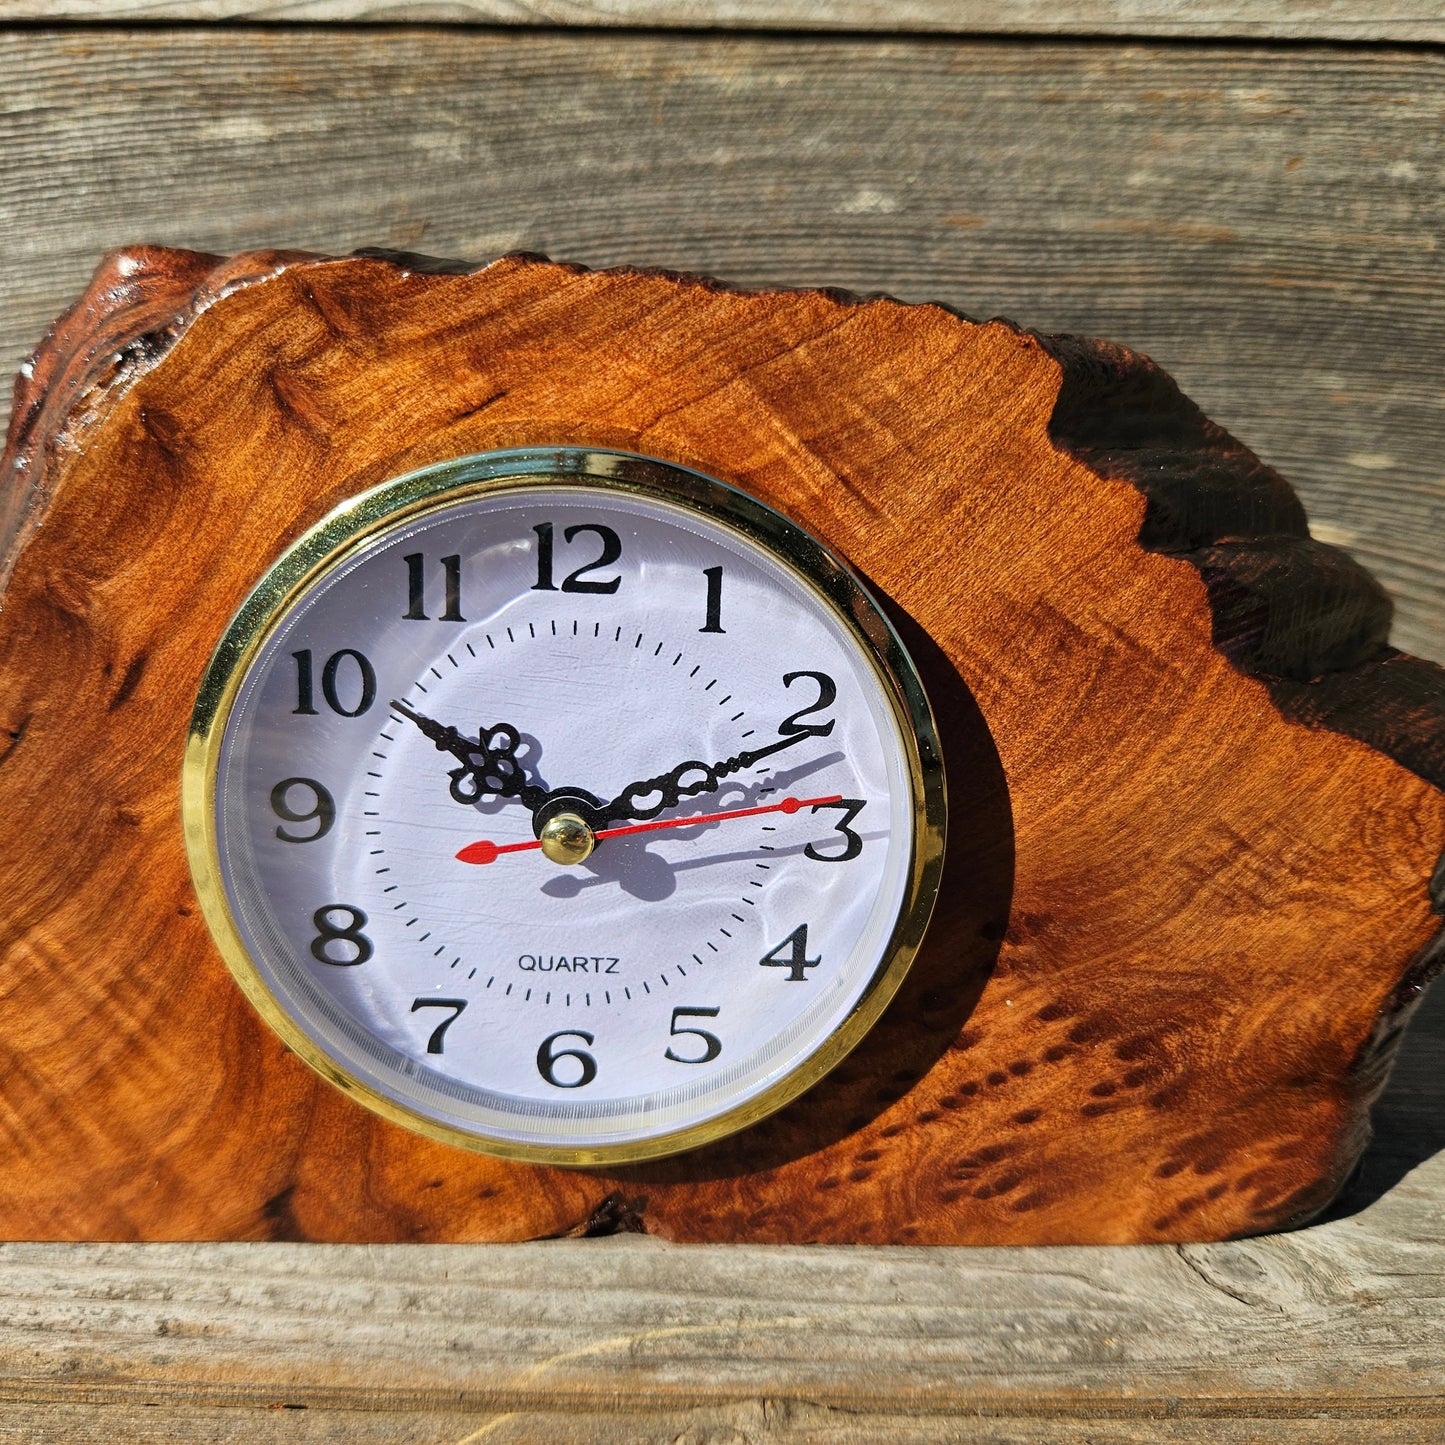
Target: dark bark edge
1299, 615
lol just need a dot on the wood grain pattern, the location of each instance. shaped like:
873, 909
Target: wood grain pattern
1327, 1334
125, 321
750, 1421
1230, 261
1414, 20
1263, 222
1172, 1031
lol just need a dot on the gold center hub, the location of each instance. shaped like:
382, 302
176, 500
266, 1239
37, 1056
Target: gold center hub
567, 839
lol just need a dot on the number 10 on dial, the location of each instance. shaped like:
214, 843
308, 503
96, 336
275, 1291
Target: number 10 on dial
565, 805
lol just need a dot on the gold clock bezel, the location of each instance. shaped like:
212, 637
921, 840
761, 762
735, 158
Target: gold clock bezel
357, 522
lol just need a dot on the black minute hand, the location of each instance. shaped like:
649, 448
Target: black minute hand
488, 766
673, 787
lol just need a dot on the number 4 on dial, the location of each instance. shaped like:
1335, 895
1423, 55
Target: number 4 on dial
796, 959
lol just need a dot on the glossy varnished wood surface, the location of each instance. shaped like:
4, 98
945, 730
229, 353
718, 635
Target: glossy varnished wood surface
1329, 1334
1177, 932
1262, 220
1279, 186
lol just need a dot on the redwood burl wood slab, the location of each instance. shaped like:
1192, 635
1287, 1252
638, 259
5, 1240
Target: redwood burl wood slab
1196, 801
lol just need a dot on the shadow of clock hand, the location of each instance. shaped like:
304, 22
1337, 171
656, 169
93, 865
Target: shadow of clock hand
650, 877
570, 885
626, 862
783, 782
928, 1014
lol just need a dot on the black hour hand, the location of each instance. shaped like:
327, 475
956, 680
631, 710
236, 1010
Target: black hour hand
687, 780
489, 765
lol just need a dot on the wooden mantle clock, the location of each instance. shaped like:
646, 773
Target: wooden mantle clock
506, 753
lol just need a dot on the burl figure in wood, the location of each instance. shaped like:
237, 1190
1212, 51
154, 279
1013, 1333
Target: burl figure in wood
1196, 801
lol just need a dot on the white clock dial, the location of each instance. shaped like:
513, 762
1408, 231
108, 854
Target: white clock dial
723, 749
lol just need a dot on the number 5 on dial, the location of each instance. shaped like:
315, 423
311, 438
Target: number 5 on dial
712, 1045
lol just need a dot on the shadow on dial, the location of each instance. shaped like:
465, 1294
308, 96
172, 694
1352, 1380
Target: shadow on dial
947, 977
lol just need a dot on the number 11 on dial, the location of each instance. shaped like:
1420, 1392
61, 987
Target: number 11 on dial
566, 805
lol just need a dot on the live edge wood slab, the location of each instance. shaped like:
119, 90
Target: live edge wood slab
1196, 801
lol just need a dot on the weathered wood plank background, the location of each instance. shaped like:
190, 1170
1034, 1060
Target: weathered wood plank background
1413, 20
1262, 215
1265, 222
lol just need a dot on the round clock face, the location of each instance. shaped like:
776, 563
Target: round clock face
565, 805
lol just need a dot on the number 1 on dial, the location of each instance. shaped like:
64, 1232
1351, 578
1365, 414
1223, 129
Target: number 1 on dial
714, 600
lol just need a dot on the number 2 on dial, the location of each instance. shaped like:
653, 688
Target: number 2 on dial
827, 696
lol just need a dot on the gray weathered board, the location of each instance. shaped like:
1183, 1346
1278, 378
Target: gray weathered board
1265, 219
1409, 20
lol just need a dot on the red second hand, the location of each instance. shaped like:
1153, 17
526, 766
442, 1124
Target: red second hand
486, 851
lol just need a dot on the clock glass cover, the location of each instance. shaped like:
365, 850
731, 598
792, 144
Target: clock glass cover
567, 805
